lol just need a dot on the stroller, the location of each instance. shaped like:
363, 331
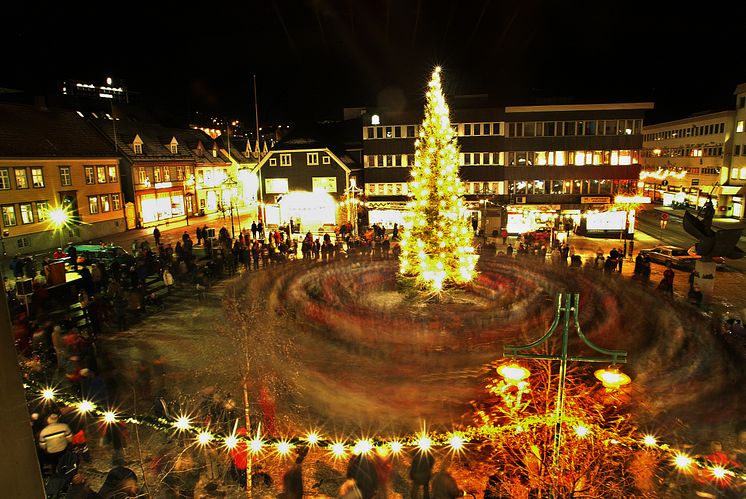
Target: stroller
62, 476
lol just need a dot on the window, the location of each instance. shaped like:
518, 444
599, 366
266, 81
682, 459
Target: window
467, 129
21, 178
486, 128
65, 178
138, 148
115, 203
37, 177
326, 160
4, 179
23, 242
272, 161
410, 131
743, 173
101, 174
141, 177
370, 133
379, 132
42, 208
157, 174
739, 127
285, 160
312, 158
113, 174
9, 215
549, 129
89, 175
174, 148
105, 206
92, 205
167, 174
27, 214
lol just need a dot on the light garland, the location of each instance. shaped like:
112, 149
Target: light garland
453, 442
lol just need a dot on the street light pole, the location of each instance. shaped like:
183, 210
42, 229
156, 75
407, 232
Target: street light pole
567, 307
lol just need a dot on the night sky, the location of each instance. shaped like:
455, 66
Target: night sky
314, 57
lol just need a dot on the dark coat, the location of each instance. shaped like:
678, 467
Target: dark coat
363, 470
421, 469
445, 486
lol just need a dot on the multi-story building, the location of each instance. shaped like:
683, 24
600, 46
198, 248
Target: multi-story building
309, 175
53, 162
690, 160
523, 166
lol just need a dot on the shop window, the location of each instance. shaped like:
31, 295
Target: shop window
9, 215
93, 205
27, 214
21, 178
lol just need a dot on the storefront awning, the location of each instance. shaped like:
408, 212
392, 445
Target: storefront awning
730, 190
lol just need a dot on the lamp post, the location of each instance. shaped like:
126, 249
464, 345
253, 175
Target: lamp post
567, 308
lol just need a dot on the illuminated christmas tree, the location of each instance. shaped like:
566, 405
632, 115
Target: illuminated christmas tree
436, 246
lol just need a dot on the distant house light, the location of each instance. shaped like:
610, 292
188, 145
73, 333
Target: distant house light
105, 96
108, 80
80, 114
375, 120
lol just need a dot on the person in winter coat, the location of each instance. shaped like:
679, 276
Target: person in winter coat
54, 439
292, 480
362, 469
445, 486
420, 472
168, 279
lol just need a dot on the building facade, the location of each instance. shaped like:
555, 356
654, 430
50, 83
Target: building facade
59, 181
523, 167
308, 177
701, 157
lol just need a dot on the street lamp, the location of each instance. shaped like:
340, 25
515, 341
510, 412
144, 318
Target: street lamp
567, 307
59, 218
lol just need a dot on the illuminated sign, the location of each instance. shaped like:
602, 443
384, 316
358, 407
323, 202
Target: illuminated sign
276, 185
163, 185
324, 184
595, 199
632, 199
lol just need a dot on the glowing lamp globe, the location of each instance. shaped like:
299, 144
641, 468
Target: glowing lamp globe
513, 373
612, 378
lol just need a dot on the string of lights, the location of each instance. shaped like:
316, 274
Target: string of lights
454, 442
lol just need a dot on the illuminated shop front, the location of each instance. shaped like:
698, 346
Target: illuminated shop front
528, 219
312, 210
161, 203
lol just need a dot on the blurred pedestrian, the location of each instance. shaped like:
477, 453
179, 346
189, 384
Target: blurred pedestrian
54, 439
445, 486
420, 472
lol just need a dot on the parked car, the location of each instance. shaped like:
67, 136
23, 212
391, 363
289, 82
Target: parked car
94, 253
671, 256
541, 234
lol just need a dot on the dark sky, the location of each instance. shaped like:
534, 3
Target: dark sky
314, 57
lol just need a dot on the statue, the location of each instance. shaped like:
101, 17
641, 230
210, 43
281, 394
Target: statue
712, 243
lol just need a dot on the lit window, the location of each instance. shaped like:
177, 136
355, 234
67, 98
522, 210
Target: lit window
739, 127
101, 174
92, 205
559, 158
312, 158
9, 216
375, 120
37, 177
115, 203
734, 173
89, 175
743, 173
167, 174
175, 149
105, 206
157, 174
27, 214
285, 160
141, 176
138, 148
65, 178
113, 174
42, 209
579, 158
21, 178
4, 179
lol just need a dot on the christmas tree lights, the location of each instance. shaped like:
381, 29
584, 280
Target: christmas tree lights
436, 246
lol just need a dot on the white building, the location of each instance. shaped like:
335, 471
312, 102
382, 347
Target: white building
687, 161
